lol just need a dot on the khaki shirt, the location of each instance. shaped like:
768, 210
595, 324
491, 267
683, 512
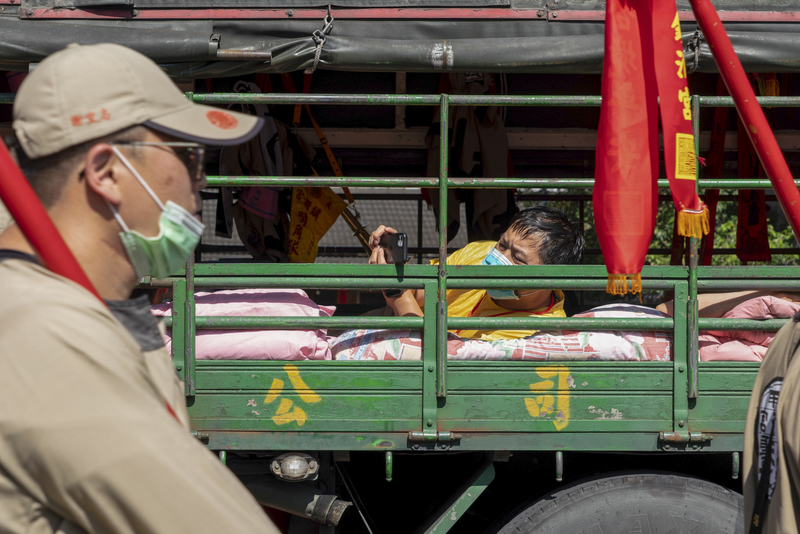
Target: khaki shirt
87, 443
775, 410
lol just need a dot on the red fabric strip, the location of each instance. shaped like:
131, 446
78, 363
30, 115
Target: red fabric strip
715, 158
643, 60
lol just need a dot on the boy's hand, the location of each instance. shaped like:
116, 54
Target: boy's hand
375, 238
378, 256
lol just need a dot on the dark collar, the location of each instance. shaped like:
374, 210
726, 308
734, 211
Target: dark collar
134, 314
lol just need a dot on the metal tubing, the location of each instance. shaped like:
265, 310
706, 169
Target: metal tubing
692, 314
756, 125
460, 501
559, 466
465, 323
298, 499
680, 385
303, 323
244, 55
469, 283
220, 282
487, 183
419, 231
768, 325
304, 282
178, 324
776, 285
403, 100
769, 101
693, 307
349, 251
430, 362
455, 100
441, 306
458, 100
547, 283
189, 332
433, 100
559, 323
303, 98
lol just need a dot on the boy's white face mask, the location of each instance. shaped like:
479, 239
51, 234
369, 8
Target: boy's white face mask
179, 234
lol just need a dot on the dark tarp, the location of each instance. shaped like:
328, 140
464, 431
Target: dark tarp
583, 5
185, 50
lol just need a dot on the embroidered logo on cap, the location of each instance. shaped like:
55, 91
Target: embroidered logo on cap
222, 120
90, 118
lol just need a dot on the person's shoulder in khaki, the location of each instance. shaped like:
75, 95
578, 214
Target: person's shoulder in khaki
115, 153
771, 459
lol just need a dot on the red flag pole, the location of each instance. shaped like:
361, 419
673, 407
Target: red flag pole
31, 217
749, 110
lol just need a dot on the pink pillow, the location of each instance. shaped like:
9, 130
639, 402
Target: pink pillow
728, 349
768, 307
742, 346
257, 344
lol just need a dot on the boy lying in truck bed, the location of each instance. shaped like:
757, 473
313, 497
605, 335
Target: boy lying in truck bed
540, 235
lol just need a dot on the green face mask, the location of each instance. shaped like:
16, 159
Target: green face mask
179, 233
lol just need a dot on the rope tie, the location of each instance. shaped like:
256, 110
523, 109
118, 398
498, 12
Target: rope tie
320, 36
694, 44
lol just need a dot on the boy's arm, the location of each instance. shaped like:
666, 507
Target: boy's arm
406, 305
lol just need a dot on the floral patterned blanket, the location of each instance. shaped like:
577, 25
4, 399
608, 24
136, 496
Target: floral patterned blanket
543, 346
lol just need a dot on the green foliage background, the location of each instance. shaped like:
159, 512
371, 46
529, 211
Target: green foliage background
780, 233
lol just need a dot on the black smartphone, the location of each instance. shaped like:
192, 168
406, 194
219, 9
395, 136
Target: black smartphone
395, 247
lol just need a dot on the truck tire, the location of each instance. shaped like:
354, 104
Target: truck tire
646, 503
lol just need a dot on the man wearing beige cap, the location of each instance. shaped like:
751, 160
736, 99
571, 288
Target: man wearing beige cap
93, 425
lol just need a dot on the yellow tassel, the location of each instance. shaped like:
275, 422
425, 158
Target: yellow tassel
762, 89
693, 224
768, 86
772, 88
618, 284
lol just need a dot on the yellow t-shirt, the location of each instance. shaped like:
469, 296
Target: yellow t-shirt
476, 302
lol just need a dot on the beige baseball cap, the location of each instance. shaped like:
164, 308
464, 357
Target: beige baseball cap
85, 92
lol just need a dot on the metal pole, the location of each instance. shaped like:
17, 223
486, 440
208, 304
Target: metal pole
189, 358
419, 231
752, 115
692, 307
441, 307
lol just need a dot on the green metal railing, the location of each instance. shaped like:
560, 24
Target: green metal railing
435, 280
684, 325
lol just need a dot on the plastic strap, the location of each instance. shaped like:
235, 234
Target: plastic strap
289, 86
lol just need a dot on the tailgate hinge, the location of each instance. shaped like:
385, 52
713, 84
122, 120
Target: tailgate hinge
432, 440
683, 439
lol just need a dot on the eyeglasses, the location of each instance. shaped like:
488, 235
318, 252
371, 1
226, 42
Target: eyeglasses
192, 155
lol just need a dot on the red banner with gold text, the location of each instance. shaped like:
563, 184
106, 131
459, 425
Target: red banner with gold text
643, 61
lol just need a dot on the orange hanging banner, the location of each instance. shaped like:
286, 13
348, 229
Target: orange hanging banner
643, 61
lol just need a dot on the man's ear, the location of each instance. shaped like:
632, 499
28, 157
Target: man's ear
101, 170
